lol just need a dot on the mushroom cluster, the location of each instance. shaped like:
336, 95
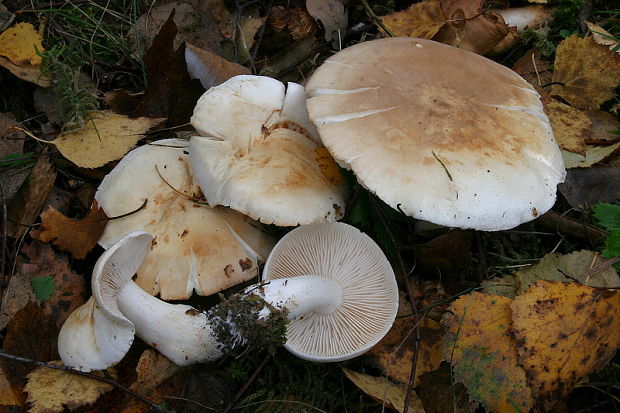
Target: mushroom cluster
332, 281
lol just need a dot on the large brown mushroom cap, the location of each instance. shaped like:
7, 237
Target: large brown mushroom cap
441, 133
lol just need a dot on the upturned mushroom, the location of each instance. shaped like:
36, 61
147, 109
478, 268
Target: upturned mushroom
259, 154
196, 247
442, 134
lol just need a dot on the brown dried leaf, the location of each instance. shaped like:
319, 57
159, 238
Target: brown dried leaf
78, 236
603, 125
440, 395
295, 20
9, 396
570, 126
537, 71
28, 201
50, 390
384, 391
11, 144
588, 71
106, 137
210, 68
332, 15
449, 252
422, 20
171, 93
564, 331
585, 187
603, 37
483, 352
152, 369
594, 155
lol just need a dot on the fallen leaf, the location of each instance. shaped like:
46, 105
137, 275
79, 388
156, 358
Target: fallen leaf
440, 395
570, 126
564, 331
78, 236
537, 71
384, 391
107, 137
604, 124
6, 18
8, 395
51, 390
121, 101
27, 202
587, 72
422, 20
210, 68
594, 155
603, 37
248, 28
585, 187
152, 369
483, 353
171, 93
21, 43
29, 73
449, 252
294, 20
332, 15
394, 353
11, 147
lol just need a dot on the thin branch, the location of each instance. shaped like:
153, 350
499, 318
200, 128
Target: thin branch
376, 18
249, 381
89, 375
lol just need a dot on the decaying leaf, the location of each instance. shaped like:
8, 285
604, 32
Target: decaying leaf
8, 395
248, 28
603, 126
332, 15
384, 391
78, 236
19, 47
594, 155
564, 331
394, 354
449, 252
570, 126
587, 72
210, 68
422, 20
483, 352
11, 147
51, 390
107, 137
603, 37
439, 394
537, 71
27, 202
585, 187
152, 370
295, 20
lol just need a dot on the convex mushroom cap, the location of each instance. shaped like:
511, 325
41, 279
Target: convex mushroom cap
443, 134
259, 154
196, 247
338, 288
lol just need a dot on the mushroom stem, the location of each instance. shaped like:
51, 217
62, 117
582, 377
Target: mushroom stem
178, 331
528, 17
301, 295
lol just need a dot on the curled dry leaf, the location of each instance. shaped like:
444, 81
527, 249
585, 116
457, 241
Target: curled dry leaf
384, 391
483, 352
586, 72
106, 137
51, 390
78, 236
210, 68
570, 126
422, 20
564, 331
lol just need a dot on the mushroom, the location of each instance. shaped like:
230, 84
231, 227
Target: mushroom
332, 281
440, 133
259, 154
196, 247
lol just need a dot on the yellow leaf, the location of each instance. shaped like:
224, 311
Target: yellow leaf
422, 20
483, 352
586, 72
20, 43
152, 369
8, 395
384, 391
50, 391
107, 137
565, 331
570, 126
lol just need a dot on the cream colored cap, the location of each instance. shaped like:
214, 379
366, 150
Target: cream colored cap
443, 134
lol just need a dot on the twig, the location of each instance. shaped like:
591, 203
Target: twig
89, 375
126, 214
569, 226
249, 381
376, 18
414, 311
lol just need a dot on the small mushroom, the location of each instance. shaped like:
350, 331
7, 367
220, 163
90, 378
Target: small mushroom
196, 247
442, 134
259, 154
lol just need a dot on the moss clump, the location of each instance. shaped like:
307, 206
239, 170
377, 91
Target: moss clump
241, 320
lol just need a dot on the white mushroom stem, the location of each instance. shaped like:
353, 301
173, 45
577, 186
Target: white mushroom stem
178, 331
528, 17
301, 295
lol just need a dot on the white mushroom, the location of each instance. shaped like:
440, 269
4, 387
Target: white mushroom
443, 134
259, 154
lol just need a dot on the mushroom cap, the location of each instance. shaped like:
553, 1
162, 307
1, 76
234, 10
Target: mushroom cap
195, 247
259, 154
370, 295
443, 134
